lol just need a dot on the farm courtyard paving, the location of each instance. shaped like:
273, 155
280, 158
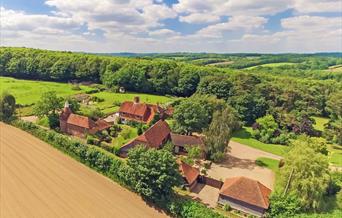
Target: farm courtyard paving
241, 162
39, 181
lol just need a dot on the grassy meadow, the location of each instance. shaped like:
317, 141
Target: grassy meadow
28, 92
271, 65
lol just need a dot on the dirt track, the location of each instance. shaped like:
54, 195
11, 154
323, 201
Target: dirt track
39, 181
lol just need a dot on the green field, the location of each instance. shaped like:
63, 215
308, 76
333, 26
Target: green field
270, 65
111, 100
335, 154
28, 92
244, 136
320, 122
268, 162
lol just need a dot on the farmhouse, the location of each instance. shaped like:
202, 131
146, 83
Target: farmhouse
181, 141
78, 125
157, 135
141, 112
246, 195
190, 175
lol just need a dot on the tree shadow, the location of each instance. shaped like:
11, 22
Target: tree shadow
198, 188
242, 134
234, 162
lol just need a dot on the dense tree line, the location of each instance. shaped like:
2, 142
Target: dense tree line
252, 95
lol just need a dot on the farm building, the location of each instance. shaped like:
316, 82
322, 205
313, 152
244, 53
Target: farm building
141, 112
246, 195
189, 174
157, 135
181, 141
78, 125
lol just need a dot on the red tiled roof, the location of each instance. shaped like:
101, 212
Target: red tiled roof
101, 125
81, 121
246, 190
156, 134
130, 107
181, 140
190, 173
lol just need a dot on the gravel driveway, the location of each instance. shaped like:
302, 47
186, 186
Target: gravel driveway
241, 162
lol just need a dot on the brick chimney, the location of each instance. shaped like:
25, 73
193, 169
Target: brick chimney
136, 100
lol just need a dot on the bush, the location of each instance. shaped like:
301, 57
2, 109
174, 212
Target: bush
114, 168
226, 207
96, 99
76, 87
91, 140
286, 206
114, 130
125, 133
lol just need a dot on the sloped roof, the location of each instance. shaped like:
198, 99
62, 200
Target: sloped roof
246, 190
81, 121
130, 107
101, 125
156, 134
190, 173
181, 140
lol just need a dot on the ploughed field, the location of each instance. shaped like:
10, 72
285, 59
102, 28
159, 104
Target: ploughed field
40, 181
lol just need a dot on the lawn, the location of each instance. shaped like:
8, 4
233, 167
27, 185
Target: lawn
268, 162
335, 154
127, 133
113, 100
270, 65
28, 92
320, 122
244, 136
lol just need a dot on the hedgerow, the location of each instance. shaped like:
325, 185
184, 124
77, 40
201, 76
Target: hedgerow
114, 168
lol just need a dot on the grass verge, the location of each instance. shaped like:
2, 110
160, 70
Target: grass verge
244, 136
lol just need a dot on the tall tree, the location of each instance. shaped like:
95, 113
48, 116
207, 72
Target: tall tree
220, 132
190, 116
7, 106
153, 172
306, 173
49, 103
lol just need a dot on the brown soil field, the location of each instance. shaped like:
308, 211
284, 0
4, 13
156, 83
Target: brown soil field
37, 180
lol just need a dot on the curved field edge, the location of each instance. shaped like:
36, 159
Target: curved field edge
114, 168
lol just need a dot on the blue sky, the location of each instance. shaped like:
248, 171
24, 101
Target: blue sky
221, 26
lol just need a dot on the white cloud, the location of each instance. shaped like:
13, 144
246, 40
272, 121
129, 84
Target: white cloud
163, 33
130, 17
199, 18
243, 23
312, 6
231, 7
138, 26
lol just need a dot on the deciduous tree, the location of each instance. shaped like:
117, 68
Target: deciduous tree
153, 172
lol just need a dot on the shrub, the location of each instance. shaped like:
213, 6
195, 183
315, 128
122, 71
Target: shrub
226, 207
93, 91
114, 168
91, 139
286, 206
96, 99
76, 87
125, 133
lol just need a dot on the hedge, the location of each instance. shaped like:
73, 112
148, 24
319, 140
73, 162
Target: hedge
112, 167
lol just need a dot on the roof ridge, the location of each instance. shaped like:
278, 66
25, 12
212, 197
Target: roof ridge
261, 193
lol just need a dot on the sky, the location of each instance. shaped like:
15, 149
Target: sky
216, 26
